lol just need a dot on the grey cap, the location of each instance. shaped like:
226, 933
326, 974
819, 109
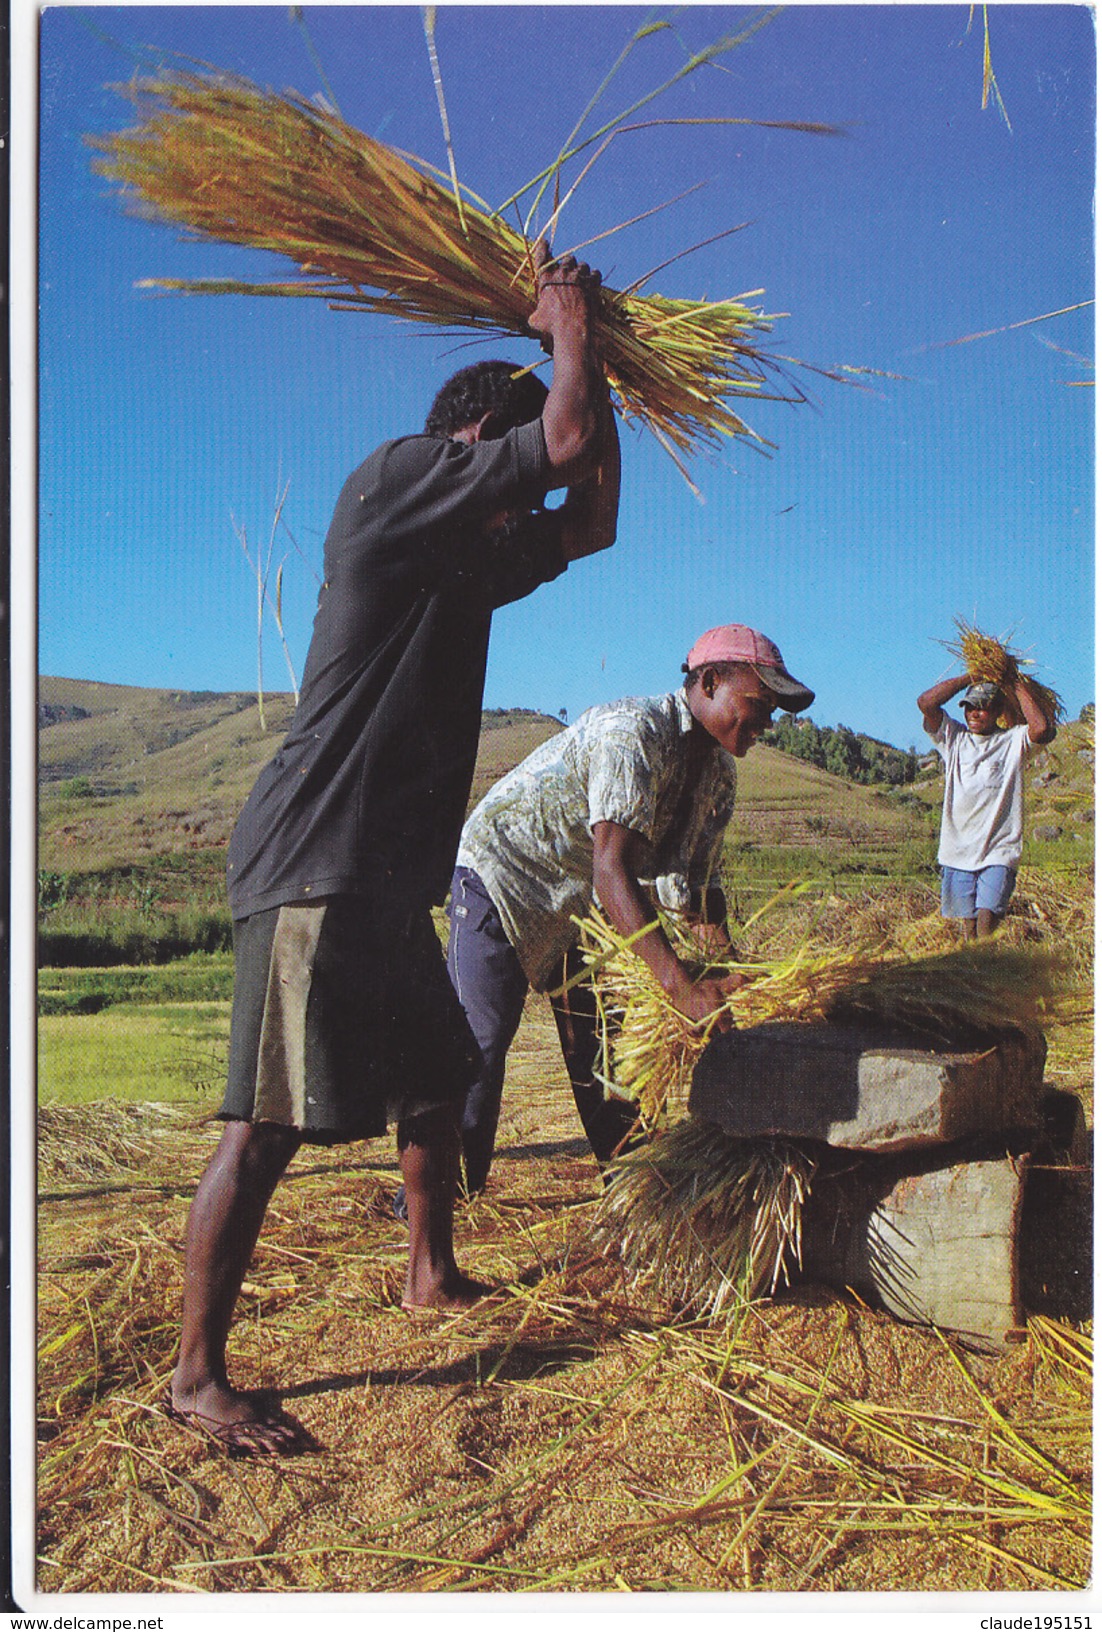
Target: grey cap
981, 694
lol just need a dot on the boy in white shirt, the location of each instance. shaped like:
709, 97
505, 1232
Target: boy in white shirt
982, 812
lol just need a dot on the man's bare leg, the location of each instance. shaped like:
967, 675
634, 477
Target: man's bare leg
222, 1230
428, 1147
987, 922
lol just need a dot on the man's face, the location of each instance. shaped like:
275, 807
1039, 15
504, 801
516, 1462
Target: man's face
737, 711
981, 721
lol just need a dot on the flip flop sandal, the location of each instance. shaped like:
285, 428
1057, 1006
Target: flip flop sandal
245, 1437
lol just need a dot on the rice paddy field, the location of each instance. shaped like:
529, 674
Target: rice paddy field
575, 1432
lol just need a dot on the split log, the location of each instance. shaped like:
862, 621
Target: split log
934, 1248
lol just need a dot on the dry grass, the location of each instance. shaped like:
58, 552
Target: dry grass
563, 1436
710, 1222
833, 961
373, 229
571, 1433
121, 1137
990, 659
713, 1222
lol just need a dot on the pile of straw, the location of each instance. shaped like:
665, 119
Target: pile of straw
965, 993
710, 1221
82, 1144
988, 659
374, 229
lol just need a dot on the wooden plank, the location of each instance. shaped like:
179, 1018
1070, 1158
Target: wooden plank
937, 1248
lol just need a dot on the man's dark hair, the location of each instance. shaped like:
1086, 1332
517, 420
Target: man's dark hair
490, 387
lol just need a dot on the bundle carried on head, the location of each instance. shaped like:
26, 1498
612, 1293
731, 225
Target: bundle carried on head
991, 660
373, 229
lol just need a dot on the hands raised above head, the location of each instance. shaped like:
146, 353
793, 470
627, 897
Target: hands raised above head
567, 291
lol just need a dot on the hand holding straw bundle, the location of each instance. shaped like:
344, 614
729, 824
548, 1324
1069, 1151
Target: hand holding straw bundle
650, 1049
372, 229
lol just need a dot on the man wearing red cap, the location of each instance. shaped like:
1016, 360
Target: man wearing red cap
636, 790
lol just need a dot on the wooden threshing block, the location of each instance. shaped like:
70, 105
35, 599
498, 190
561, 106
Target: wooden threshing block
866, 1089
938, 1248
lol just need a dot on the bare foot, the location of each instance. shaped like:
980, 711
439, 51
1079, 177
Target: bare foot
455, 1291
236, 1420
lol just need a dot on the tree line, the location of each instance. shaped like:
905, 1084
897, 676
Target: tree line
843, 752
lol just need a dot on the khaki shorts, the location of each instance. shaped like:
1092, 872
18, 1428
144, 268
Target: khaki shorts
344, 1020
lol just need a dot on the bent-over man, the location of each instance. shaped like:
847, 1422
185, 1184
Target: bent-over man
634, 791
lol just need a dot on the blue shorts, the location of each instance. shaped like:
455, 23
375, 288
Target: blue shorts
965, 893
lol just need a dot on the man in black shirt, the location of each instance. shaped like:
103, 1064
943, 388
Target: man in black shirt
343, 1017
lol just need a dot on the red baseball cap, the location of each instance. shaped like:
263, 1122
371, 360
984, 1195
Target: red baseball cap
736, 643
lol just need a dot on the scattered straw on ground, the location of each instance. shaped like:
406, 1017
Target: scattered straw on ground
565, 1435
569, 1433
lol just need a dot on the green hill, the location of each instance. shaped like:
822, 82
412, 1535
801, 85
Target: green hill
1059, 790
141, 780
128, 773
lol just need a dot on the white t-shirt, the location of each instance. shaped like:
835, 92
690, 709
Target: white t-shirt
982, 813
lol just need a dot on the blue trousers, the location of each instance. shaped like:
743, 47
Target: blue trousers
492, 986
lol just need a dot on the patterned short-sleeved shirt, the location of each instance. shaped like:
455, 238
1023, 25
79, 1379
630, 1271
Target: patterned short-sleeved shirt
531, 838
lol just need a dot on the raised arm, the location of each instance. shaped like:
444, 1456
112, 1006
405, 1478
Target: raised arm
565, 318
615, 880
933, 701
1041, 727
591, 507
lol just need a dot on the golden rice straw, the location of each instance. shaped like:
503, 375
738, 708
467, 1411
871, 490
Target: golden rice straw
373, 229
649, 1049
991, 660
711, 1221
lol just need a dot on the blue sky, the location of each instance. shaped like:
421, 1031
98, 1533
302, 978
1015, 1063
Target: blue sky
962, 488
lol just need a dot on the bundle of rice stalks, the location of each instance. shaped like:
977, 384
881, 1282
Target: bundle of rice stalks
647, 1046
374, 229
988, 659
967, 993
710, 1221
956, 996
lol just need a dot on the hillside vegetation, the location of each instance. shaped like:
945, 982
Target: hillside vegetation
140, 788
127, 773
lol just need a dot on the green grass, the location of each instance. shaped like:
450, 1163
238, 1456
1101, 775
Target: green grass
752, 872
87, 991
138, 1033
1067, 854
169, 1052
95, 938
